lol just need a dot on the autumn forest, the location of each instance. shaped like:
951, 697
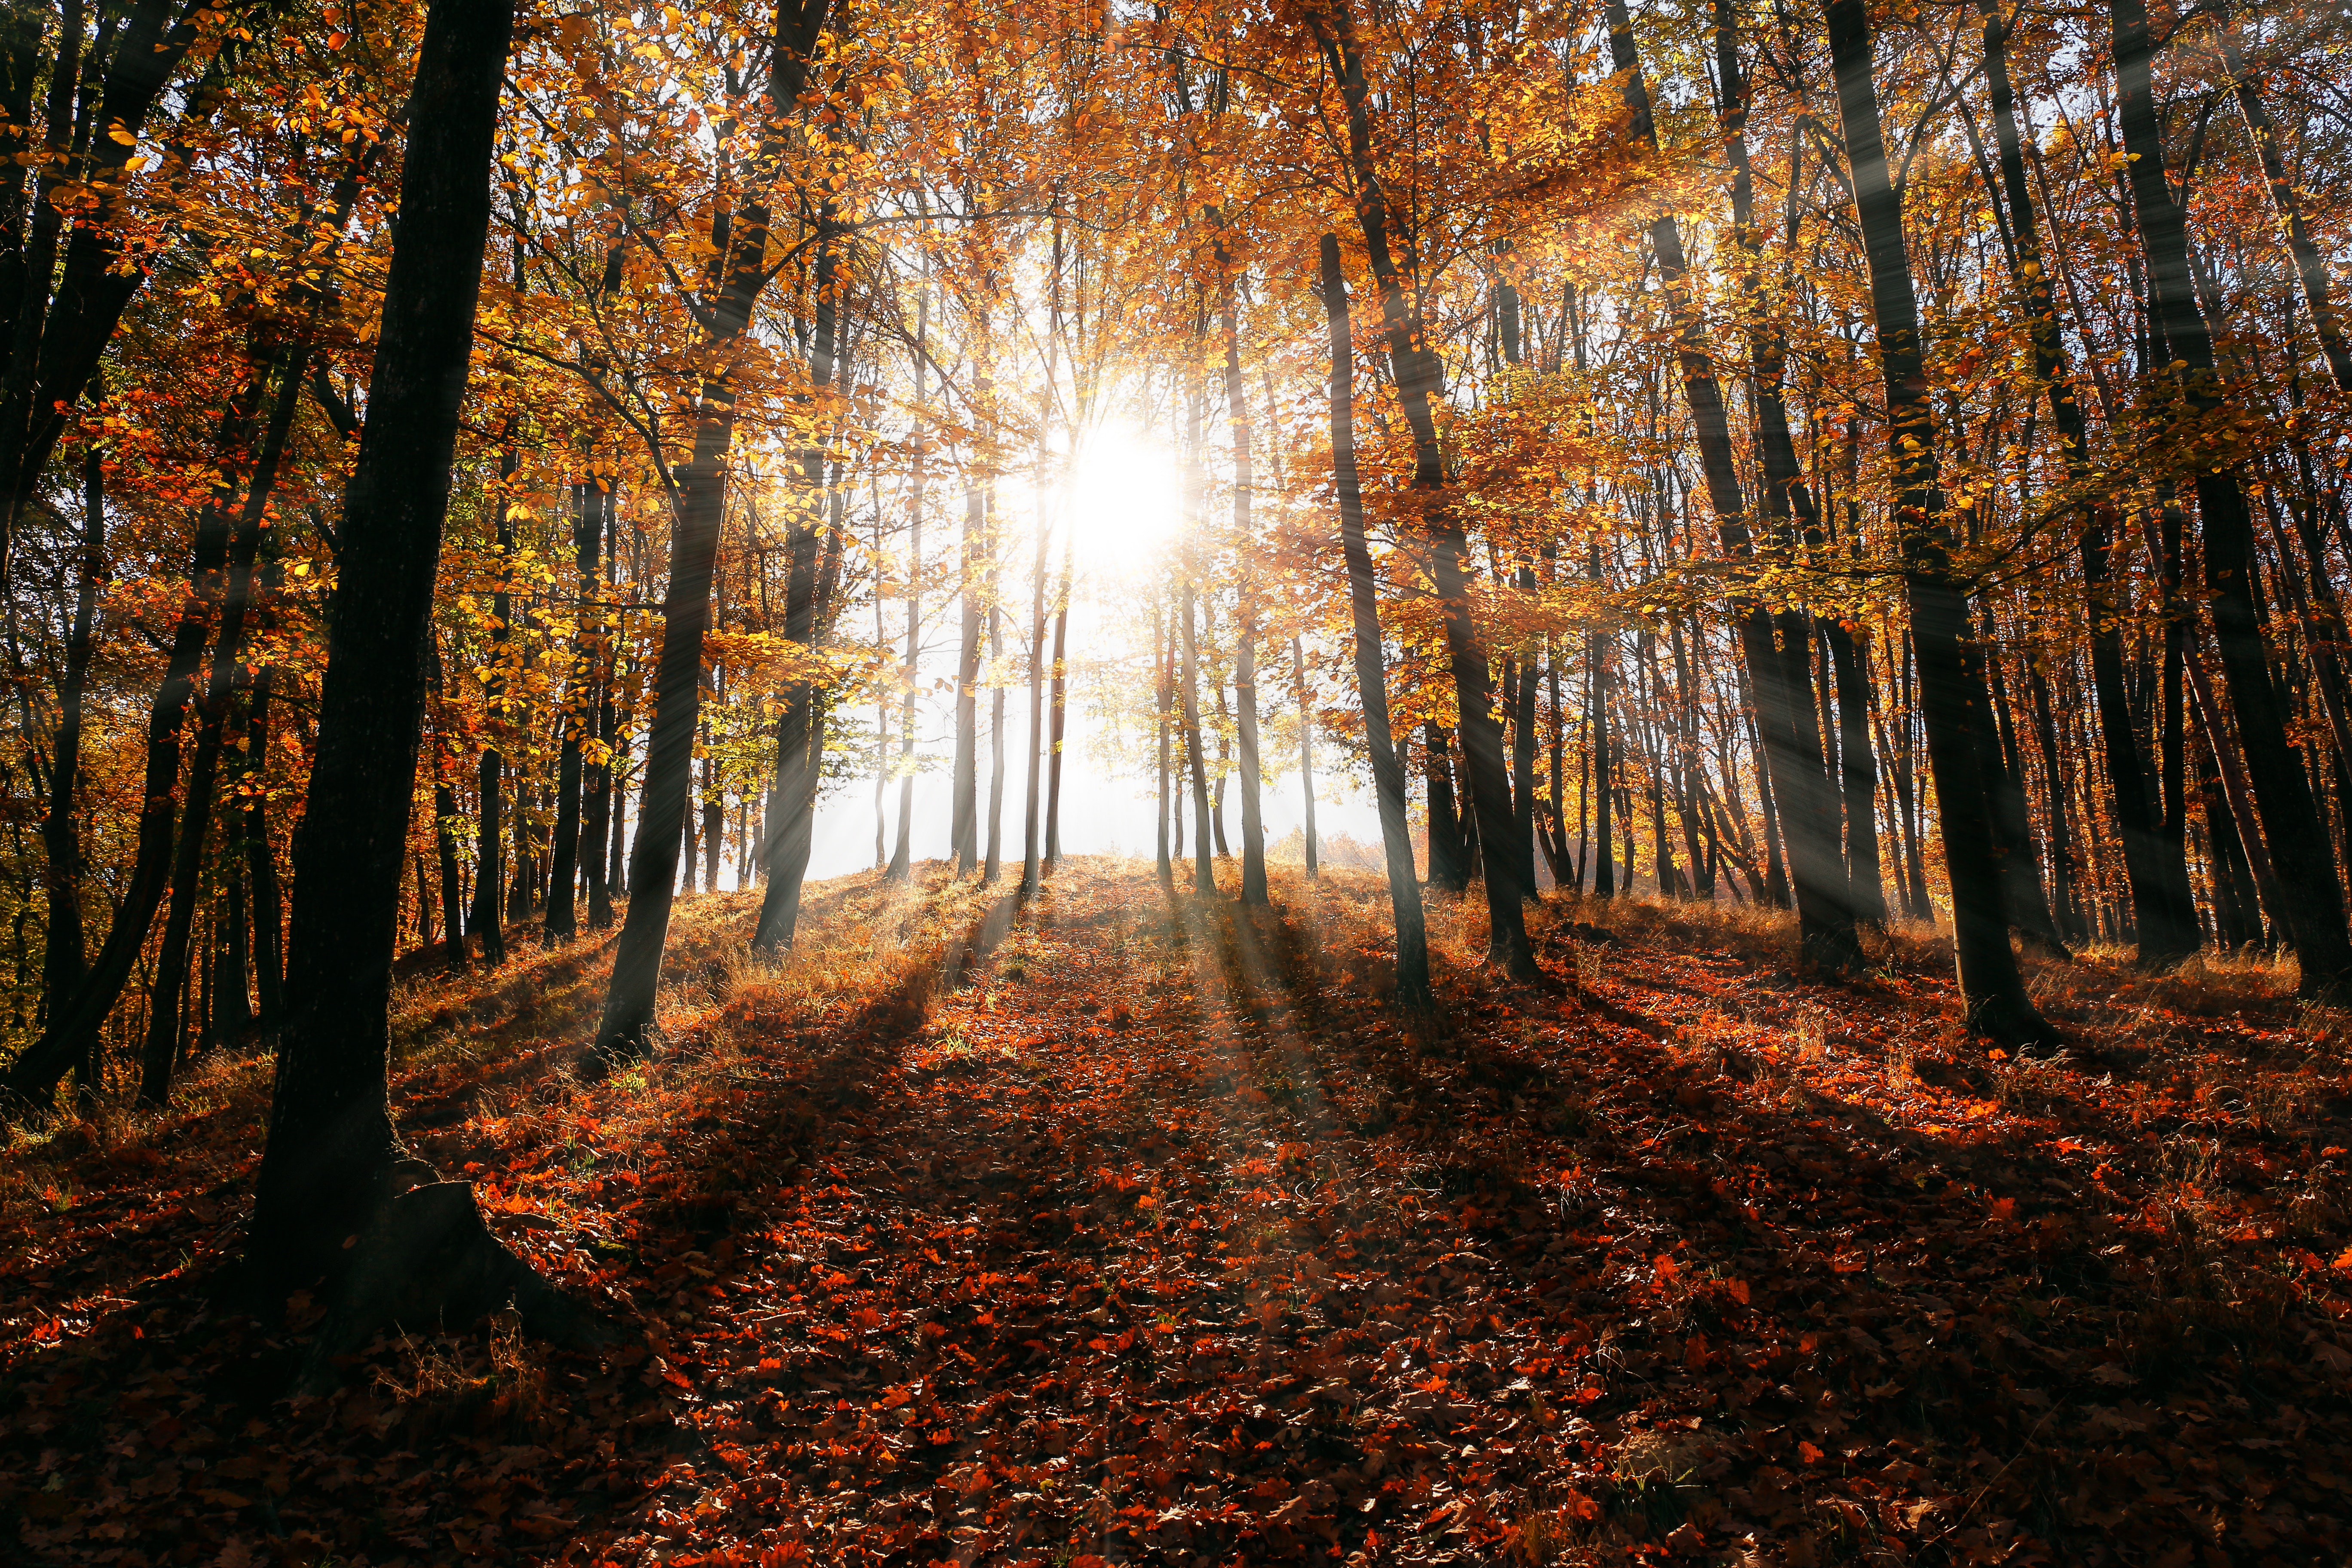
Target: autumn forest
1074, 782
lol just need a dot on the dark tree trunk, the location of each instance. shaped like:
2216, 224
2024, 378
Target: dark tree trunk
1523, 770
327, 1170
964, 806
1781, 688
2310, 896
1204, 870
1254, 889
580, 712
1306, 753
2154, 866
1061, 706
1163, 656
1604, 863
1449, 852
268, 916
623, 1033
790, 825
1372, 669
1866, 887
1417, 374
64, 953
1032, 802
488, 920
2013, 822
1958, 734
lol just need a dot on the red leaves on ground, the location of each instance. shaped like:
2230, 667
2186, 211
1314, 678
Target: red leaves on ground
1693, 1262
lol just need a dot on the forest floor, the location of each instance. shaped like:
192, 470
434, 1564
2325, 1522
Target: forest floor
1122, 1227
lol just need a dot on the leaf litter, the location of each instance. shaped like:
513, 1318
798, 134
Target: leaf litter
1123, 1226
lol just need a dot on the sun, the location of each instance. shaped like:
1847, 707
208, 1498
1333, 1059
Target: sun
1127, 497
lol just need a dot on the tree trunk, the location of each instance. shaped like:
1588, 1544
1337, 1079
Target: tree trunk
579, 714
2312, 897
1449, 852
1204, 869
1372, 667
698, 515
1061, 703
964, 811
1033, 804
1305, 753
791, 825
1992, 990
327, 1170
488, 921
1416, 370
64, 953
1245, 738
902, 851
2153, 864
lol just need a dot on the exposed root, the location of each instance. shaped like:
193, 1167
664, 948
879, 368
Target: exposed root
429, 1261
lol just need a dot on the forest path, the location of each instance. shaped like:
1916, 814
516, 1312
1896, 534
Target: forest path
1119, 1224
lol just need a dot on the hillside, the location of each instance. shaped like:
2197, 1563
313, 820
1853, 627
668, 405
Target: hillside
1128, 1227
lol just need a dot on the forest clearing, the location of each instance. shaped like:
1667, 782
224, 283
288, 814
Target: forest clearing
1124, 1227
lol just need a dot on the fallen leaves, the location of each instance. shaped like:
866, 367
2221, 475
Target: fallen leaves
960, 1278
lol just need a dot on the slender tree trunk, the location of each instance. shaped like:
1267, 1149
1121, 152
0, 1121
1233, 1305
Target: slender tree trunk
261, 867
2312, 896
1204, 870
1033, 824
792, 822
1991, 988
1245, 737
1417, 374
1164, 659
1061, 703
1449, 852
490, 849
963, 815
994, 863
1782, 687
1522, 694
1306, 753
697, 517
1372, 664
902, 850
2153, 863
1596, 695
64, 954
579, 716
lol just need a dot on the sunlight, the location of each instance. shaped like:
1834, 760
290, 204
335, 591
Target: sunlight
1127, 497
